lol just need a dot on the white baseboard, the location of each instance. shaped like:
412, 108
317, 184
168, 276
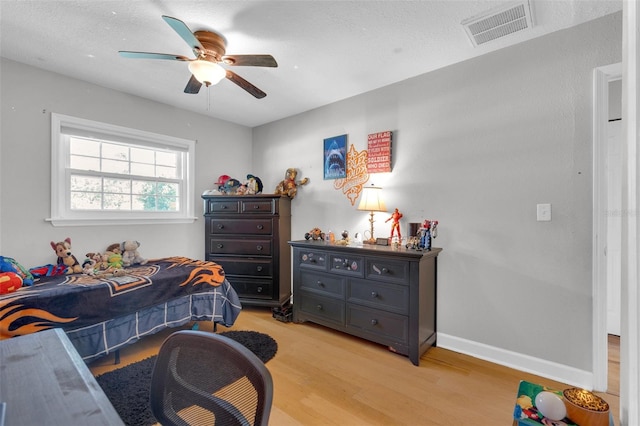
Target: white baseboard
540, 367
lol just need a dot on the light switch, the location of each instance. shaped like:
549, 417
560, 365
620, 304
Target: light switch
544, 212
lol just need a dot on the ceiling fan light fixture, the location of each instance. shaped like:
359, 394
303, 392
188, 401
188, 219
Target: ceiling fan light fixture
206, 72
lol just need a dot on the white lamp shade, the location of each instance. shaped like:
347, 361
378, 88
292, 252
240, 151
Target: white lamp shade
371, 199
207, 72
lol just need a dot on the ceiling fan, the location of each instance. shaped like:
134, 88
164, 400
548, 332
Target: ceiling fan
209, 48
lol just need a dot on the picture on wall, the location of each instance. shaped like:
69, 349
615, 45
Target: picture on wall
335, 157
379, 147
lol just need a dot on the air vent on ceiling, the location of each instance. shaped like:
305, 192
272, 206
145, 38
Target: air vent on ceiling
498, 23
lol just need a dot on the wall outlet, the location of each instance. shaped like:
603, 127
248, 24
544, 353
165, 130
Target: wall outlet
544, 212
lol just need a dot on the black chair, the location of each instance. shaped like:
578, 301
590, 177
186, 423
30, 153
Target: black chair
205, 378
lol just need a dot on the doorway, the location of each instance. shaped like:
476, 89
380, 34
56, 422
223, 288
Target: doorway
606, 233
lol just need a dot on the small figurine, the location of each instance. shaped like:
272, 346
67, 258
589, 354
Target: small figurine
395, 225
288, 186
315, 234
428, 231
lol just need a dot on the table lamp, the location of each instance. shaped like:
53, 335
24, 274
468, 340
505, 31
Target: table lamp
371, 201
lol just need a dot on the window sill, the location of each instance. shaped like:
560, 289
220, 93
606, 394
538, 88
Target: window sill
59, 222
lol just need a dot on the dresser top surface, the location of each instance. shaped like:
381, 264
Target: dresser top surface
366, 249
218, 196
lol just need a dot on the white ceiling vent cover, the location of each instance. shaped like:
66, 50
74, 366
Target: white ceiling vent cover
498, 22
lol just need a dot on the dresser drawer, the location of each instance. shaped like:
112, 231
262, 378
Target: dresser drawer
248, 247
253, 289
221, 206
387, 270
225, 226
257, 206
384, 327
324, 308
243, 266
311, 259
329, 285
346, 264
378, 295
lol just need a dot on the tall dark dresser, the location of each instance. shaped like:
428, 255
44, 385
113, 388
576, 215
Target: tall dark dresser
247, 235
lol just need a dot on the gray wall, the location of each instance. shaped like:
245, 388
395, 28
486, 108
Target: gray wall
476, 146
29, 96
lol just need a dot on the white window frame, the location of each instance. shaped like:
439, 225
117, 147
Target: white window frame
61, 213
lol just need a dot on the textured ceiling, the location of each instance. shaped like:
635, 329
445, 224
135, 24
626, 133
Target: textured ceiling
326, 50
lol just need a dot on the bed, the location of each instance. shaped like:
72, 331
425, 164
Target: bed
103, 313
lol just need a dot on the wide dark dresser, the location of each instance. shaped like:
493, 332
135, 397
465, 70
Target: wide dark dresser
247, 235
380, 293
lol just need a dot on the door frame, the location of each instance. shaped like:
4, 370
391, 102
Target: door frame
601, 78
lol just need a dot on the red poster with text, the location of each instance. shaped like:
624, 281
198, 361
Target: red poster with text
379, 152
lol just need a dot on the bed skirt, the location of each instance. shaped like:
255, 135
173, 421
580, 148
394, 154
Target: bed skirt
220, 305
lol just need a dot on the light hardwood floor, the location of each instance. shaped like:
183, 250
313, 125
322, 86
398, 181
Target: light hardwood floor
324, 377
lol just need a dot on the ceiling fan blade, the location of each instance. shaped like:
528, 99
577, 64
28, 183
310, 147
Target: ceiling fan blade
250, 60
147, 55
245, 85
193, 86
186, 34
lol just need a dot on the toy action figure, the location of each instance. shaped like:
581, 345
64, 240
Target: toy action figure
395, 225
428, 231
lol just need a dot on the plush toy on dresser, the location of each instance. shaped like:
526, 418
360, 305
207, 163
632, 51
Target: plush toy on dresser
130, 255
65, 257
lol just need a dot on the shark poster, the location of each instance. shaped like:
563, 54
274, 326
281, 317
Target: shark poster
335, 157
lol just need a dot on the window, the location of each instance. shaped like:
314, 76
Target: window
105, 174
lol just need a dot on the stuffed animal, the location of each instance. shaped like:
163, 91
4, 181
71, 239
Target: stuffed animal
289, 185
100, 260
9, 282
65, 257
130, 255
8, 264
114, 256
88, 267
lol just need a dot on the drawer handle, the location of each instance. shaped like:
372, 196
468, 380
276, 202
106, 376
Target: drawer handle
320, 283
374, 322
259, 269
259, 289
223, 207
220, 226
380, 271
261, 227
259, 247
220, 245
256, 207
374, 294
319, 307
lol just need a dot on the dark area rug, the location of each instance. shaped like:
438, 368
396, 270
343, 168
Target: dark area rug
128, 388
